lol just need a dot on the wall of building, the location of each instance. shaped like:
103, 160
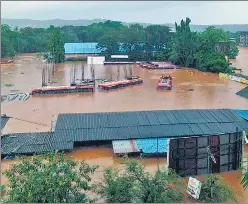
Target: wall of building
244, 39
95, 60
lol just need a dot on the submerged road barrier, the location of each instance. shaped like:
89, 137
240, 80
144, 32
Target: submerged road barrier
238, 77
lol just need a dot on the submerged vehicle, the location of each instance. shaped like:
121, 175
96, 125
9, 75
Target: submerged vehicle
119, 84
165, 83
63, 89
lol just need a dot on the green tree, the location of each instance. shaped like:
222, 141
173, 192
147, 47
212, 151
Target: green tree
49, 179
7, 41
214, 190
185, 45
233, 51
56, 45
136, 185
207, 57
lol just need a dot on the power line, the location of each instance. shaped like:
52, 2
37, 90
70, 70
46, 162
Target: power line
28, 121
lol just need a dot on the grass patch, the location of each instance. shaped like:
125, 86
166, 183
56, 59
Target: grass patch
243, 92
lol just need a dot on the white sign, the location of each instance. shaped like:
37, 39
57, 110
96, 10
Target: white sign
119, 56
194, 188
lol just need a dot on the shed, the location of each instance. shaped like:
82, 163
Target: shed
81, 48
82, 127
31, 143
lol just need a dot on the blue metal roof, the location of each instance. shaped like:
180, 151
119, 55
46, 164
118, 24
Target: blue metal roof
242, 113
152, 145
81, 48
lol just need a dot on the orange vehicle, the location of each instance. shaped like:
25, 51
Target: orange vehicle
165, 83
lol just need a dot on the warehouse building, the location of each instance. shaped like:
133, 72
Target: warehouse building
184, 135
80, 50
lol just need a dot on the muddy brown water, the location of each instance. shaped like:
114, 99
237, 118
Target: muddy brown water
25, 74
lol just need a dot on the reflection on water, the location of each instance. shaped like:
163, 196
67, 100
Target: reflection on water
208, 92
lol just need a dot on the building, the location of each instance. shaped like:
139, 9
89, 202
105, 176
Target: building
244, 38
184, 135
80, 50
4, 120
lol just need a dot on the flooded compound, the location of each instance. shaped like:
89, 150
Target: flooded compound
191, 89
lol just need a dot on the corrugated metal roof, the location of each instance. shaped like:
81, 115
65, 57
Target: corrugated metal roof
242, 113
146, 124
37, 142
4, 120
81, 48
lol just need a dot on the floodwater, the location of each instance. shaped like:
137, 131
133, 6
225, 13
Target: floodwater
35, 114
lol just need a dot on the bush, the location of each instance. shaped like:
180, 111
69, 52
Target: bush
214, 190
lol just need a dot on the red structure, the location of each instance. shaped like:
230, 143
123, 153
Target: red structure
62, 89
159, 65
6, 61
119, 84
165, 83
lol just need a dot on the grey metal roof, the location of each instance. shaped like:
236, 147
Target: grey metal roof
29, 143
146, 124
4, 120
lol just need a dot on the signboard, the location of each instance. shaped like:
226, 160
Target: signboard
194, 187
15, 97
120, 56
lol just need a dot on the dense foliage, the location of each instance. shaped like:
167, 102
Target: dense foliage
49, 179
56, 45
214, 190
154, 42
136, 185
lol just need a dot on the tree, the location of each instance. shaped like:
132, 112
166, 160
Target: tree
49, 178
56, 45
233, 51
136, 185
207, 57
214, 190
7, 41
185, 45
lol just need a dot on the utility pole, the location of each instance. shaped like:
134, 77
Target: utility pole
118, 73
212, 157
82, 68
157, 156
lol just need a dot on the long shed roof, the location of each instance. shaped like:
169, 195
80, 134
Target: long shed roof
81, 48
146, 124
30, 143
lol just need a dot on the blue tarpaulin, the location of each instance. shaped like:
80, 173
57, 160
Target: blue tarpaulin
81, 48
242, 113
151, 145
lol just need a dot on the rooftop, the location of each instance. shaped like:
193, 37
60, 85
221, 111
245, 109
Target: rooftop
136, 125
4, 120
81, 48
30, 143
146, 124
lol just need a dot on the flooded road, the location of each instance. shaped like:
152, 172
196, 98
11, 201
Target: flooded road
25, 74
241, 61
